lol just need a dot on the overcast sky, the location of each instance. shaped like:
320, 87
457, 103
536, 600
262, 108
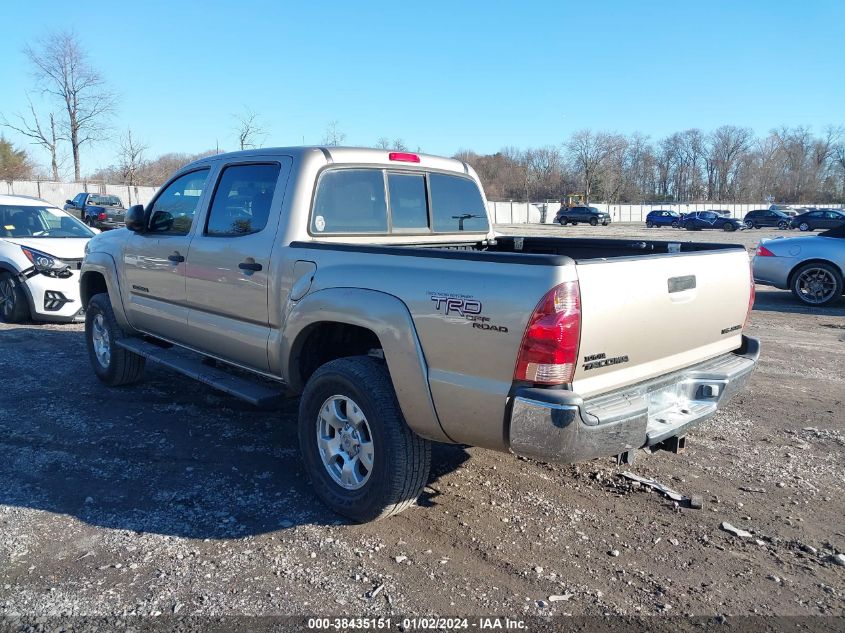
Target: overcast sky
441, 75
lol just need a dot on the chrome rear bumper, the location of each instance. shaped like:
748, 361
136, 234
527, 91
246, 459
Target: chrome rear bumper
560, 426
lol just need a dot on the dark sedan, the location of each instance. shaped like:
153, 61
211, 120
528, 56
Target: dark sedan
587, 215
699, 220
818, 219
766, 217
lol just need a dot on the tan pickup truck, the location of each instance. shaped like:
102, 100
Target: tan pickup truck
371, 284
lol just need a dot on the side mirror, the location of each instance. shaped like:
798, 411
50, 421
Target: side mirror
70, 202
135, 219
161, 222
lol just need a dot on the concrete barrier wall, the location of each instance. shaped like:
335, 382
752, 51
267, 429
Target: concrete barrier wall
57, 192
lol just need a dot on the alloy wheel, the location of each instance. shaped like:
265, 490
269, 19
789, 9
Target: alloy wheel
101, 341
815, 285
345, 442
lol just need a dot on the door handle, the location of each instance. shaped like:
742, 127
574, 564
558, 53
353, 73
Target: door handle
176, 258
250, 266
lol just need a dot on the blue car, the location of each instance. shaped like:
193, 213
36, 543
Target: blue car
662, 217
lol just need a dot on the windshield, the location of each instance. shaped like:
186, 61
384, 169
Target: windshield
26, 221
106, 201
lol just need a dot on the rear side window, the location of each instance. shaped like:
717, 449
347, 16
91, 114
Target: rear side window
456, 205
242, 200
350, 201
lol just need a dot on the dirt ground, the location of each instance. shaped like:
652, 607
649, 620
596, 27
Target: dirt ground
169, 497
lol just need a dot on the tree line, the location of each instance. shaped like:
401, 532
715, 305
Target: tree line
728, 164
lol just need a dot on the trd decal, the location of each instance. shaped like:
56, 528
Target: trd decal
733, 328
455, 305
463, 308
594, 361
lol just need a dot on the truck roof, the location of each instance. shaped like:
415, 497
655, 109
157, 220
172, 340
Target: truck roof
23, 201
361, 155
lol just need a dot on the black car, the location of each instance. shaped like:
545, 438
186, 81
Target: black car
100, 211
698, 220
818, 219
766, 217
587, 215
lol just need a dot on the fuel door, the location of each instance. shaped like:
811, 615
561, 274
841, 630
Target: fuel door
303, 275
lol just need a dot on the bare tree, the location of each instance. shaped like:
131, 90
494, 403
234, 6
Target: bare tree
131, 158
334, 136
588, 152
249, 129
383, 143
46, 137
399, 145
63, 71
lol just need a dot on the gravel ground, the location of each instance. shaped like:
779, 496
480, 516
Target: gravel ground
168, 497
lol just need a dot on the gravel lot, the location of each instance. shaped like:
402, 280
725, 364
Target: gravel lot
169, 497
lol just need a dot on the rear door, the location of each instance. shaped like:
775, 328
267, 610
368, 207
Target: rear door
646, 316
154, 262
229, 262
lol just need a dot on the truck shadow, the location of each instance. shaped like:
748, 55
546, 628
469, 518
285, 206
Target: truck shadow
773, 300
166, 456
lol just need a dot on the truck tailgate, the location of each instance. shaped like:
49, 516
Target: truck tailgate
647, 316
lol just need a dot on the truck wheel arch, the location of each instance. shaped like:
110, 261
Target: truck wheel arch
365, 317
99, 274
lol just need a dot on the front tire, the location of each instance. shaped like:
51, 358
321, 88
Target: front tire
727, 226
675, 224
783, 225
13, 304
112, 364
649, 224
817, 284
594, 222
363, 460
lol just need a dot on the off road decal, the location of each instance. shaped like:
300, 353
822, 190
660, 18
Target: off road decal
464, 308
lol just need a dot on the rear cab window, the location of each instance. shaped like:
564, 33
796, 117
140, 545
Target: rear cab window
388, 201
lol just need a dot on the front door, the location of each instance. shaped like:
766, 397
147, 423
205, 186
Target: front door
154, 261
229, 263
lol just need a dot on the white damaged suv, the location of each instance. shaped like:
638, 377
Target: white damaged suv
41, 251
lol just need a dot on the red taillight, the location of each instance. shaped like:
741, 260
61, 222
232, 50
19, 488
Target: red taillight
102, 216
404, 157
549, 350
762, 251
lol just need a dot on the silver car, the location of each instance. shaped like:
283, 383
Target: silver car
810, 266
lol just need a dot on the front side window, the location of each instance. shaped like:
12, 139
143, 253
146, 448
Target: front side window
350, 201
456, 205
173, 211
241, 204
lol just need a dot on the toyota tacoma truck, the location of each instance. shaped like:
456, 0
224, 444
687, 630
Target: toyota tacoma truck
372, 285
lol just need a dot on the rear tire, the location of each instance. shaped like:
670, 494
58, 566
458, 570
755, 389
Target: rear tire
113, 365
334, 440
13, 304
649, 224
817, 284
804, 227
594, 222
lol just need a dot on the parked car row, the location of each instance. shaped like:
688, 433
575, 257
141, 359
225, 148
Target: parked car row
756, 219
